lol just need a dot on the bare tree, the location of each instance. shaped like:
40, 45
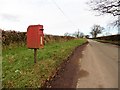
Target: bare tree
82, 35
78, 34
106, 7
87, 36
67, 34
75, 34
96, 29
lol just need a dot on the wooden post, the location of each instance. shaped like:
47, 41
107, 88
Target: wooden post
35, 55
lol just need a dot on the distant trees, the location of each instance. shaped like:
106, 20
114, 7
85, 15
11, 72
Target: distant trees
82, 35
67, 34
106, 7
76, 34
96, 29
87, 36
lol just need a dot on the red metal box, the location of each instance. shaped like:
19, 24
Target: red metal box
35, 36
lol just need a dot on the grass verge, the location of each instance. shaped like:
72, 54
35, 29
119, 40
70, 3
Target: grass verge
19, 70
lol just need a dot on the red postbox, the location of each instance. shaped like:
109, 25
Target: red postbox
35, 37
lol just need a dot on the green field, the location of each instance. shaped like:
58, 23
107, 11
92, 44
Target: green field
19, 70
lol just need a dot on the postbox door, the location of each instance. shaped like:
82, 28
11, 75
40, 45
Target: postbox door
33, 38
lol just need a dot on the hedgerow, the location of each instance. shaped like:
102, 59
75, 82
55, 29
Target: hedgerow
14, 37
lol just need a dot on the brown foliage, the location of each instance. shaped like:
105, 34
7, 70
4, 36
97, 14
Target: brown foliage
10, 37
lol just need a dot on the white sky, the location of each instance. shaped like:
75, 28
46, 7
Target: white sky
19, 14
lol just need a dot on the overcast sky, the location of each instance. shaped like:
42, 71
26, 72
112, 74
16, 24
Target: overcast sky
57, 16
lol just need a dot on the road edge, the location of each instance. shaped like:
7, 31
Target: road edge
47, 83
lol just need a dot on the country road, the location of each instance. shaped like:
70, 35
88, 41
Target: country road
93, 65
98, 66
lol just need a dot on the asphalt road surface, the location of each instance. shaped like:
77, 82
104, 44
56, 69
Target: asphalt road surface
98, 67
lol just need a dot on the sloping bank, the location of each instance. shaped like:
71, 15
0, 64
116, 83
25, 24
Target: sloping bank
19, 70
111, 42
112, 39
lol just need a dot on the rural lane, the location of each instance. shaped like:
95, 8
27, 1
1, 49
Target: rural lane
98, 66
